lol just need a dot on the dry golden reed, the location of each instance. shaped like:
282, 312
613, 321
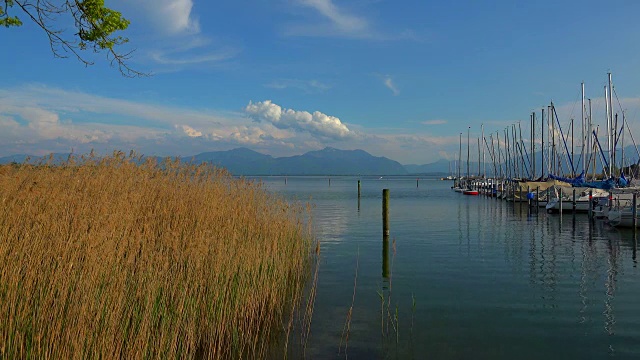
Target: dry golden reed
109, 258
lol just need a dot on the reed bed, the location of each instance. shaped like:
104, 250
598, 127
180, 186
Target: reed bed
111, 258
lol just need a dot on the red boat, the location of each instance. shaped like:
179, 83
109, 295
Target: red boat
470, 192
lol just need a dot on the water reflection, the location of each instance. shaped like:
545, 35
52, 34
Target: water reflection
485, 274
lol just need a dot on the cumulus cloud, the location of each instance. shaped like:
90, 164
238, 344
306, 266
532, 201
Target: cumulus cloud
388, 82
317, 123
191, 132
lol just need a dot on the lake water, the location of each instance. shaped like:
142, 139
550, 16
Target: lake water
466, 277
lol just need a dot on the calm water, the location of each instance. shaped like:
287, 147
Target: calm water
468, 277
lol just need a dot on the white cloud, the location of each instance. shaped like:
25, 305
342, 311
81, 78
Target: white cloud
337, 22
316, 123
388, 82
170, 16
434, 122
308, 86
340, 18
191, 132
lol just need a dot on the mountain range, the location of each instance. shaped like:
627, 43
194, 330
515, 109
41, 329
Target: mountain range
243, 161
330, 161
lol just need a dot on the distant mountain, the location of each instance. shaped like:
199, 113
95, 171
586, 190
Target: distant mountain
240, 161
243, 161
328, 161
338, 162
441, 167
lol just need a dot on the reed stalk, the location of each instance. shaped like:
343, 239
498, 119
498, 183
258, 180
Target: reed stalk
117, 257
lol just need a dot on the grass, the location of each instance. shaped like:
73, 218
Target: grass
107, 258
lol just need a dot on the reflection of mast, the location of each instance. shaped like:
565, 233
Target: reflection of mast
610, 285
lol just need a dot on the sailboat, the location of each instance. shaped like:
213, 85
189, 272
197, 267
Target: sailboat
468, 190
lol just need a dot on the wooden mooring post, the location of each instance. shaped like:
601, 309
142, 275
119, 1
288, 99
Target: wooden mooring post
358, 189
590, 204
573, 204
528, 199
417, 182
385, 212
537, 198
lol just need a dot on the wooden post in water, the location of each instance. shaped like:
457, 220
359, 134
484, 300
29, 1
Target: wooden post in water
417, 180
537, 198
528, 192
358, 189
590, 204
634, 212
329, 182
385, 212
573, 204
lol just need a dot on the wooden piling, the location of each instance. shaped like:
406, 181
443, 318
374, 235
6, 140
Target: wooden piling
385, 212
537, 197
358, 189
590, 204
417, 180
528, 192
573, 204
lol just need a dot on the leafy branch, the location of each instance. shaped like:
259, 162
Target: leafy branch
95, 25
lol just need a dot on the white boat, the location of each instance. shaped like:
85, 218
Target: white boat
565, 203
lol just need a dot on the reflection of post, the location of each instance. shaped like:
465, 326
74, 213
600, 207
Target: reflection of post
634, 212
385, 212
385, 256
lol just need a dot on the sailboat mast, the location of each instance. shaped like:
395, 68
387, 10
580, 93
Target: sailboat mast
582, 126
572, 147
613, 129
609, 121
468, 132
533, 143
484, 165
542, 169
499, 154
478, 156
459, 159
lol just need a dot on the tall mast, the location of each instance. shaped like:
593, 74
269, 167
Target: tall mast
613, 129
478, 156
499, 154
572, 156
591, 144
554, 166
584, 155
533, 143
609, 121
484, 165
542, 169
459, 159
468, 132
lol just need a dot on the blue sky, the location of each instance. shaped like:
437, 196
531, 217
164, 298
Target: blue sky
399, 79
